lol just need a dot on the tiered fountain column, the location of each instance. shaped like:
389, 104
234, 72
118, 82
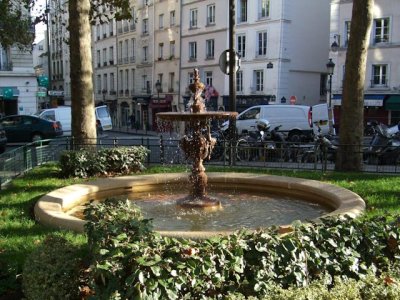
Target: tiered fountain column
197, 144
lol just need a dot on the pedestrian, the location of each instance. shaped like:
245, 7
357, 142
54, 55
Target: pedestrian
133, 121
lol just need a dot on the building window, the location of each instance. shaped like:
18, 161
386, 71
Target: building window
132, 81
105, 82
171, 82
262, 44
134, 18
258, 80
210, 48
112, 87
98, 83
211, 14
111, 27
264, 9
144, 83
241, 45
239, 81
381, 30
111, 55
172, 18
120, 83
145, 53
98, 58
208, 78
126, 51
120, 52
160, 79
193, 18
161, 21
98, 32
379, 75
172, 49
192, 51
242, 11
160, 51
145, 27
190, 78
105, 56
347, 25
126, 82
133, 50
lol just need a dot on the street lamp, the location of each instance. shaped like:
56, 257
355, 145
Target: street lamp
330, 66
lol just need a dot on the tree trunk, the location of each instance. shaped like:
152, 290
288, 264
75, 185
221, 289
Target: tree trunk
351, 133
83, 115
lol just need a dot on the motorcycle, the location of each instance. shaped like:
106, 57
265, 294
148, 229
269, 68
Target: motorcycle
384, 148
325, 148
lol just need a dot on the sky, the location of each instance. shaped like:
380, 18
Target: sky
40, 28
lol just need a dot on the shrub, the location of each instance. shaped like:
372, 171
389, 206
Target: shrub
52, 271
129, 260
104, 162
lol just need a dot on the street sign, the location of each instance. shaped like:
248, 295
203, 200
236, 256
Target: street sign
293, 99
224, 62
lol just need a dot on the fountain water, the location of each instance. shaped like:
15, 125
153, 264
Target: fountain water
197, 144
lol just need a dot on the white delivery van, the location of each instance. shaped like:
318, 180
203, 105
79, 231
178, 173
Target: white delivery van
103, 118
61, 114
296, 121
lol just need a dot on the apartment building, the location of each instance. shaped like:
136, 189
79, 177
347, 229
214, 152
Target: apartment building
382, 82
18, 85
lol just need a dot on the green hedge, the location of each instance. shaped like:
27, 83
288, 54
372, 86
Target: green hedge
104, 162
129, 260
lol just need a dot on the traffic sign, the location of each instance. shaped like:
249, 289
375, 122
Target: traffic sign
293, 99
224, 61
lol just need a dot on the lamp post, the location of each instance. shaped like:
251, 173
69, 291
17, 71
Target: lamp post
330, 66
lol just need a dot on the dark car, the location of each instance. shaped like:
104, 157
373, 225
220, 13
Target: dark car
3, 139
27, 128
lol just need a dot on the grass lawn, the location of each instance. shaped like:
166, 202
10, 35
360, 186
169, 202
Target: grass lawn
20, 233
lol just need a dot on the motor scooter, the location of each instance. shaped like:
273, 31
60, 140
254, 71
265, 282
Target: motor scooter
384, 148
325, 148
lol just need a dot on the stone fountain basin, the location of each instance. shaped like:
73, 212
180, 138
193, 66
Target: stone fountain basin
51, 208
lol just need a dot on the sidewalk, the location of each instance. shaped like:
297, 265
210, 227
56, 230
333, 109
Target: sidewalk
129, 130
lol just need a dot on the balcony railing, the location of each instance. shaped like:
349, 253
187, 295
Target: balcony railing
383, 83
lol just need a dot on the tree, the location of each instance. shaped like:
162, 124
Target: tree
83, 13
349, 156
16, 27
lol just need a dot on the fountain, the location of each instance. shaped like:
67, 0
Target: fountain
57, 207
197, 144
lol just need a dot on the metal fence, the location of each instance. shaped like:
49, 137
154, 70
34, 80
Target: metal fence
165, 150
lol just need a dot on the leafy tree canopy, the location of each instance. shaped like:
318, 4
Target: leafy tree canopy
16, 27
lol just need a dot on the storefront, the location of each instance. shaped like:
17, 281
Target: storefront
374, 109
160, 105
392, 104
9, 100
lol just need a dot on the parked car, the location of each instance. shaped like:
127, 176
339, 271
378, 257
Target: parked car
27, 128
3, 139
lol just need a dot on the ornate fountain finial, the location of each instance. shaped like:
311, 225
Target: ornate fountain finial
197, 88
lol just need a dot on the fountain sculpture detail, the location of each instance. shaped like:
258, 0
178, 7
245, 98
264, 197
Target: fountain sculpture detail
197, 144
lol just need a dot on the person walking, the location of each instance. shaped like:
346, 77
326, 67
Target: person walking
132, 119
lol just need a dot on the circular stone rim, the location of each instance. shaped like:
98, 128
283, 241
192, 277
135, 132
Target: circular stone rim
50, 209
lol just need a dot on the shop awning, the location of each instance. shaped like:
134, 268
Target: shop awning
393, 103
8, 93
369, 99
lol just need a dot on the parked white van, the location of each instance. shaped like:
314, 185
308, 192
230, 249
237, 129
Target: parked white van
63, 115
296, 120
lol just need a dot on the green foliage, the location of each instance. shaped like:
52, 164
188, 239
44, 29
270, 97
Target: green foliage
15, 25
52, 271
104, 162
130, 261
